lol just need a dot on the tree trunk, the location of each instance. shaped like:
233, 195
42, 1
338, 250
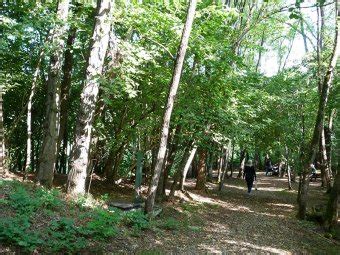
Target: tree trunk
170, 158
281, 168
220, 165
227, 153
331, 215
201, 176
167, 115
28, 166
177, 176
328, 139
139, 175
260, 52
48, 152
65, 93
318, 123
159, 192
325, 173
242, 162
186, 167
231, 166
89, 97
288, 169
3, 171
210, 165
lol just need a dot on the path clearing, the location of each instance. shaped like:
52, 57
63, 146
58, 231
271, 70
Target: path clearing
232, 222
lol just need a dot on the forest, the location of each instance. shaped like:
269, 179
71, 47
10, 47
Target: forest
136, 127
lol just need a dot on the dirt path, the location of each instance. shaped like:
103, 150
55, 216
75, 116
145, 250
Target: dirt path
233, 222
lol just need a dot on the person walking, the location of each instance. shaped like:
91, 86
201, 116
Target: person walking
249, 175
268, 165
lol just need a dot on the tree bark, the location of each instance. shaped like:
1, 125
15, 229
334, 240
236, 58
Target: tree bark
3, 171
65, 94
331, 214
242, 162
48, 152
89, 97
260, 52
186, 167
227, 153
231, 166
28, 165
201, 176
325, 173
167, 115
220, 165
318, 123
288, 169
328, 139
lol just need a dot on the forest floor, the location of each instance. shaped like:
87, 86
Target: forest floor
233, 222
226, 222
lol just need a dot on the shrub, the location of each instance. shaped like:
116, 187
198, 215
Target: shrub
16, 231
136, 219
102, 224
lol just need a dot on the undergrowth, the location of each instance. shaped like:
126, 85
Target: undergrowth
36, 219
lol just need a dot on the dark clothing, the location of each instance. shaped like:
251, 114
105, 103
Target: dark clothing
268, 166
249, 174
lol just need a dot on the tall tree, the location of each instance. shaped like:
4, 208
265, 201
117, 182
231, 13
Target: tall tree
325, 89
48, 152
29, 114
2, 152
89, 96
64, 99
169, 106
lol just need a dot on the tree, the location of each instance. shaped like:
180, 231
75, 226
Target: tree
48, 152
89, 96
169, 106
2, 152
325, 89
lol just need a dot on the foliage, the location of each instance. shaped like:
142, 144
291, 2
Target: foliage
41, 219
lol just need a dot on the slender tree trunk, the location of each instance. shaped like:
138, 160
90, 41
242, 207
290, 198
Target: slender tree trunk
170, 158
65, 93
89, 97
177, 176
220, 165
139, 174
231, 166
186, 167
48, 153
242, 163
260, 52
227, 153
28, 166
328, 139
325, 173
281, 168
3, 171
171, 99
201, 176
304, 37
318, 123
288, 169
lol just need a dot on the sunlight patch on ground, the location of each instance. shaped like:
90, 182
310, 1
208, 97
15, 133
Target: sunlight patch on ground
272, 215
258, 188
242, 247
257, 247
282, 205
